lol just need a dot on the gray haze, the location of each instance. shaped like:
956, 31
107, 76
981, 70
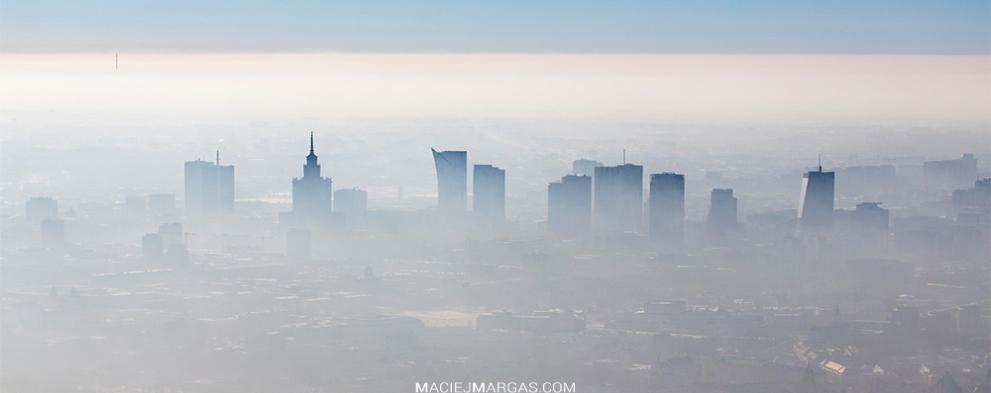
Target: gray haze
134, 258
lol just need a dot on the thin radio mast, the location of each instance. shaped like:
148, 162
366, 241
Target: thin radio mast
116, 68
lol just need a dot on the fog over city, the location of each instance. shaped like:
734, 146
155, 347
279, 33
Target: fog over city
232, 218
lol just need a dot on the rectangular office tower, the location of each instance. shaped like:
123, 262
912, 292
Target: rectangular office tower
618, 203
667, 209
569, 205
489, 193
209, 188
815, 208
452, 180
39, 209
722, 212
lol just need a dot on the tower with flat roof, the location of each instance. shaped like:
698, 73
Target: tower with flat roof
618, 198
489, 193
667, 209
209, 188
569, 205
722, 217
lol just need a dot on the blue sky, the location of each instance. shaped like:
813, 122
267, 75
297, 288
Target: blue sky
714, 26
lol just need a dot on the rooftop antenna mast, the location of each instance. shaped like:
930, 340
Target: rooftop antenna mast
820, 162
218, 157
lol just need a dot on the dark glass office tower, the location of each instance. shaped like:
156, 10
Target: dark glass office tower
489, 193
722, 212
667, 209
815, 208
452, 180
569, 205
618, 199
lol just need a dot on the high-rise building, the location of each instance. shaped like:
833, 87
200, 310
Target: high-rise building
815, 208
312, 198
209, 188
171, 234
722, 212
618, 198
352, 203
961, 171
489, 193
452, 180
173, 242
584, 167
569, 205
667, 209
40, 208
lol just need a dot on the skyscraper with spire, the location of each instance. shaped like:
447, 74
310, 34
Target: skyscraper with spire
311, 194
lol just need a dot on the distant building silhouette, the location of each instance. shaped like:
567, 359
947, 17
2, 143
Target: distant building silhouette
584, 167
452, 180
209, 188
618, 197
352, 203
961, 171
871, 217
815, 208
40, 208
174, 242
489, 193
569, 205
667, 209
312, 198
152, 247
978, 197
946, 384
722, 218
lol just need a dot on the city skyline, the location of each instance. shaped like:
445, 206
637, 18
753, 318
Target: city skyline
495, 197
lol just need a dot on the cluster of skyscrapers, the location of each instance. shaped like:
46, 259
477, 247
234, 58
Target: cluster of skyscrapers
595, 198
488, 187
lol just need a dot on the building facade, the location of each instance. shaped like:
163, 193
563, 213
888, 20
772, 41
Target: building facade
489, 193
452, 180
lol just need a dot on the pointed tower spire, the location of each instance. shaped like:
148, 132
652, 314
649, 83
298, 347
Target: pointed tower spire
311, 142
